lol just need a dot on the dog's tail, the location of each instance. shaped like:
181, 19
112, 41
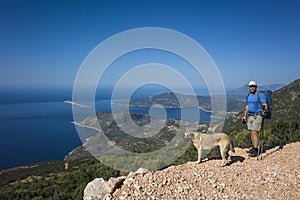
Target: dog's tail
231, 146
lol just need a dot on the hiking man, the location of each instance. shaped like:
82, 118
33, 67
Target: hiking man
256, 106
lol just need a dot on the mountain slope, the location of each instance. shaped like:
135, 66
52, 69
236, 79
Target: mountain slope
169, 100
285, 106
286, 101
241, 92
276, 176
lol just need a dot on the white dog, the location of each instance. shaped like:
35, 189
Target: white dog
207, 141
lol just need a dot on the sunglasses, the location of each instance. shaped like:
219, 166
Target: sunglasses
252, 86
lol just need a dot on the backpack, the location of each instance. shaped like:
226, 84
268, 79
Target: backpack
268, 96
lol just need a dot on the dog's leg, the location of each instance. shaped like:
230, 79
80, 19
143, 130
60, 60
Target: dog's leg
199, 154
198, 144
229, 158
223, 151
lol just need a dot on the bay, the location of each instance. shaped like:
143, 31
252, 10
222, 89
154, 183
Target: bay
41, 131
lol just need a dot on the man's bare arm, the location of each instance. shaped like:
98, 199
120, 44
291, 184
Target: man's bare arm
245, 114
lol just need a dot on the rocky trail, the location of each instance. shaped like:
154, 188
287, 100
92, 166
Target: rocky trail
276, 176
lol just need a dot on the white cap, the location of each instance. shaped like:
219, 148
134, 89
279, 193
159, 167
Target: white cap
252, 83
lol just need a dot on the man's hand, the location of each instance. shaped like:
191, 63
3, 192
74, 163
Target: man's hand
265, 109
244, 119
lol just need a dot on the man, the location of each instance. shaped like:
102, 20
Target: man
256, 107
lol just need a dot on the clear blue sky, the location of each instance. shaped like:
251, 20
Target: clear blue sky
43, 43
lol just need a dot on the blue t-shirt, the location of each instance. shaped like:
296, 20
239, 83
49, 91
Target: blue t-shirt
254, 106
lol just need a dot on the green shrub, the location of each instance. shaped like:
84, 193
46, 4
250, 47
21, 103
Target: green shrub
241, 139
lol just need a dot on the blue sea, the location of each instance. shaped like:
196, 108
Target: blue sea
37, 127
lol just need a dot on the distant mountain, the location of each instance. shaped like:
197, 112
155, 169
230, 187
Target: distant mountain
285, 106
171, 100
241, 92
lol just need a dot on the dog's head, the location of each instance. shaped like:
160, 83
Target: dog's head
203, 128
189, 134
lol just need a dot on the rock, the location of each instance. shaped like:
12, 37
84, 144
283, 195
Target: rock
100, 189
96, 189
137, 187
131, 175
128, 180
142, 171
114, 183
66, 165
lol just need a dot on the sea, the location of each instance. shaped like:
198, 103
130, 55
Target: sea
35, 125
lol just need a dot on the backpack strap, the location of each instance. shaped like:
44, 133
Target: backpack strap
247, 97
262, 107
259, 99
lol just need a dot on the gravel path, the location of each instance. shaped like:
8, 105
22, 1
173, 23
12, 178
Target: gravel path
276, 176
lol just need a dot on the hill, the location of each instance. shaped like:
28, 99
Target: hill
276, 176
169, 100
241, 92
52, 180
67, 179
143, 135
285, 106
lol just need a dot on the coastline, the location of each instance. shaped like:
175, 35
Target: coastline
85, 126
77, 104
160, 106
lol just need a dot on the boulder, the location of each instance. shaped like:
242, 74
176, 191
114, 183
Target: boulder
101, 189
96, 189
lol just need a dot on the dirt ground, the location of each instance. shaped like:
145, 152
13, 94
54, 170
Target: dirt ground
275, 176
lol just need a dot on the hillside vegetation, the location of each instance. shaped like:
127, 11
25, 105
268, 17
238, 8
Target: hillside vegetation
67, 179
283, 128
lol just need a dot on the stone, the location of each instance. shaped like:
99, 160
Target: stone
142, 171
95, 190
114, 183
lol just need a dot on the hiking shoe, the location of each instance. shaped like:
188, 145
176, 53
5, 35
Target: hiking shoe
251, 149
253, 152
